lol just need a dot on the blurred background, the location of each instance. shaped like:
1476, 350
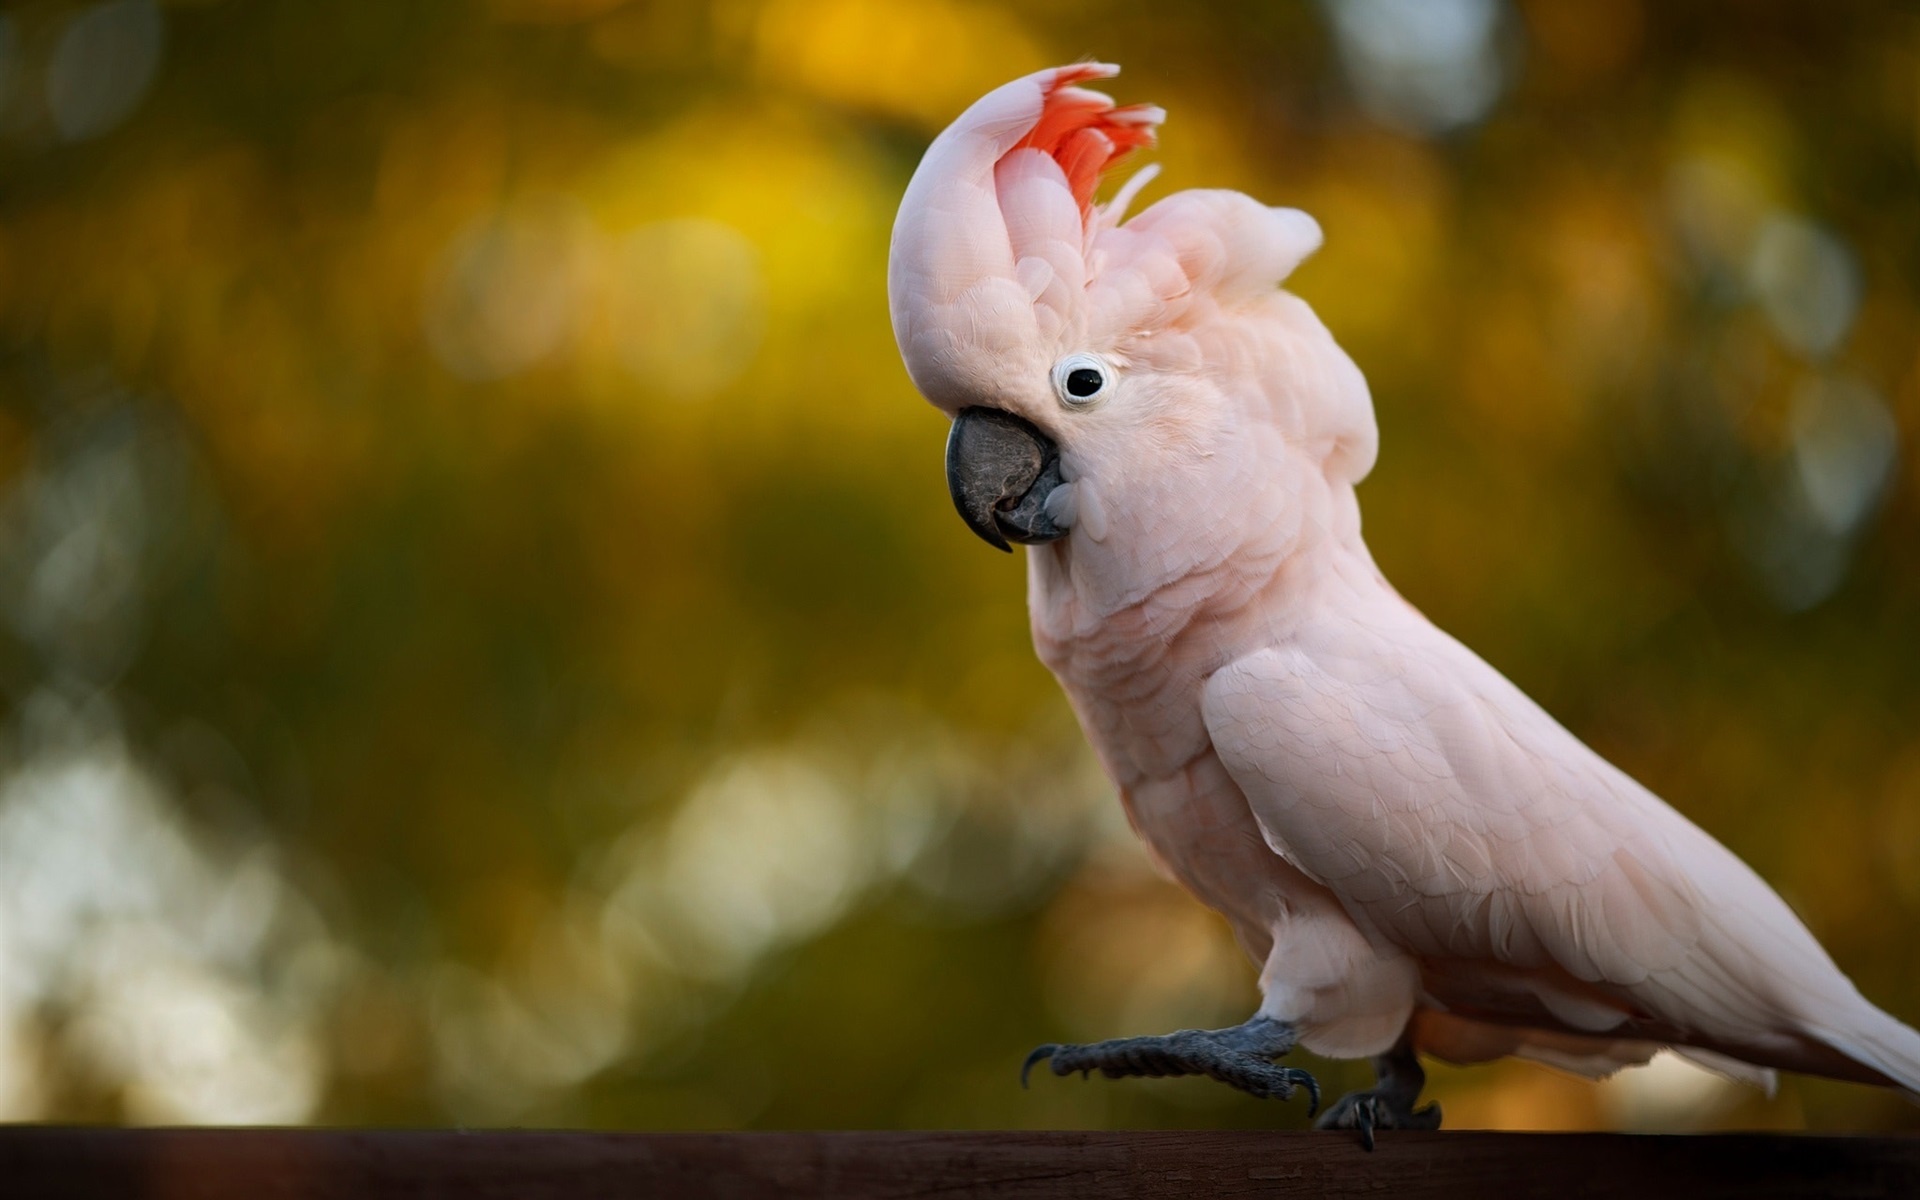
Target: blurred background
484, 638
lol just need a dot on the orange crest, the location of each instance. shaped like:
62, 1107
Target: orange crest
1085, 133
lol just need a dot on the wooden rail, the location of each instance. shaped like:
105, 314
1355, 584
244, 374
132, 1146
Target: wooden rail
276, 1164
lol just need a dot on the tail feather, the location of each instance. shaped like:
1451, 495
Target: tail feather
1880, 1043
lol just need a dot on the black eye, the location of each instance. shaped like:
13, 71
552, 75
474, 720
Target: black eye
1083, 382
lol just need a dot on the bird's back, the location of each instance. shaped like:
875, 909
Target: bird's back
1538, 884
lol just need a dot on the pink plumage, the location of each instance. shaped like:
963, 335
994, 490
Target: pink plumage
1419, 858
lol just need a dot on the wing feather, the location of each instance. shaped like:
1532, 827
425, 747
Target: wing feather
1459, 822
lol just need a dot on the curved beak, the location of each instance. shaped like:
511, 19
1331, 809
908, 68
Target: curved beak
1001, 470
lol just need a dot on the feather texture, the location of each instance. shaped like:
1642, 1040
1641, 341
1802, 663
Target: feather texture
1405, 842
1459, 822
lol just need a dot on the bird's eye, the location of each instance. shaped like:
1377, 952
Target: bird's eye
1081, 379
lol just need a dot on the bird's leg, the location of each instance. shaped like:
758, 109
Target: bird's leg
1241, 1056
1389, 1103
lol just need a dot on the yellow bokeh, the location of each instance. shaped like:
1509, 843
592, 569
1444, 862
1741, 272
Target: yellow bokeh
486, 638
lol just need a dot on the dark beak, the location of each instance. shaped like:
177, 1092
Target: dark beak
1001, 470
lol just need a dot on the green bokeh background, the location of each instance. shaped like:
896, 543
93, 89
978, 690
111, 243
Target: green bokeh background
486, 640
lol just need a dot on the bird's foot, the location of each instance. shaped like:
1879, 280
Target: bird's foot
1241, 1056
1378, 1108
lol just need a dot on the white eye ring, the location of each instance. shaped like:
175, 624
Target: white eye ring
1072, 384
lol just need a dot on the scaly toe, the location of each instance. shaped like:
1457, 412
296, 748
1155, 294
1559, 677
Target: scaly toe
1219, 1054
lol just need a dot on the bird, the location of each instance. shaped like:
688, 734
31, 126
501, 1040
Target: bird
1417, 857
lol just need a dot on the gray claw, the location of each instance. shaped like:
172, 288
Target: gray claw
1364, 1112
1037, 1055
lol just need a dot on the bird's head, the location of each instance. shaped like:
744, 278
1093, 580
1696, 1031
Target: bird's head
1109, 378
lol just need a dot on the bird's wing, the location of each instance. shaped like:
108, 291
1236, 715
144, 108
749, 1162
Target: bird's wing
1456, 819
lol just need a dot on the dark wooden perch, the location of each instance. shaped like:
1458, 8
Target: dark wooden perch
201, 1164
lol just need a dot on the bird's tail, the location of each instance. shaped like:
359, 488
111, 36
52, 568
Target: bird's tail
1879, 1043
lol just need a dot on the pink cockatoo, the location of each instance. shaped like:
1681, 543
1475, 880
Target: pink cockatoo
1419, 859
